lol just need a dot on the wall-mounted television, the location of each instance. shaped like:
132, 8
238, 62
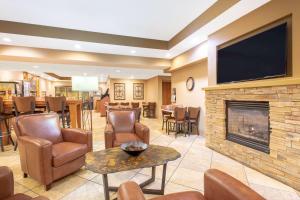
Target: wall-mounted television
260, 56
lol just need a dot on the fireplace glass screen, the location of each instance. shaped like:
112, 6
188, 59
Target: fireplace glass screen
248, 124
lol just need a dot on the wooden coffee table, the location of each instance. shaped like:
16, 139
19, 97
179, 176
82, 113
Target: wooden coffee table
116, 160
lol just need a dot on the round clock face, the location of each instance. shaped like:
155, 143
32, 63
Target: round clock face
190, 84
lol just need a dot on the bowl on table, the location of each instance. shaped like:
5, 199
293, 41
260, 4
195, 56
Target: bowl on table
134, 148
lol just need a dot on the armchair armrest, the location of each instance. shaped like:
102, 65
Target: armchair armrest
6, 182
109, 136
142, 131
36, 158
78, 136
218, 185
130, 191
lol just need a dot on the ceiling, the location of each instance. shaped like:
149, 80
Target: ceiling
136, 28
155, 19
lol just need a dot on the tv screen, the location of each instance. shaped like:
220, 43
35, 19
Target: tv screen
261, 56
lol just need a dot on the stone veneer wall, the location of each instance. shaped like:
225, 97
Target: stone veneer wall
283, 162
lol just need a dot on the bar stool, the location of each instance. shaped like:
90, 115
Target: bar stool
178, 123
4, 118
193, 118
24, 106
58, 105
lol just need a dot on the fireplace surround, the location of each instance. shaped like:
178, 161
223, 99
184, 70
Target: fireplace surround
283, 95
247, 123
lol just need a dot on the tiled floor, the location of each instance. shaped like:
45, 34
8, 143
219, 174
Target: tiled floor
183, 174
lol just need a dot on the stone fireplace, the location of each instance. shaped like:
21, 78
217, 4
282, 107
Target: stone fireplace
247, 123
276, 126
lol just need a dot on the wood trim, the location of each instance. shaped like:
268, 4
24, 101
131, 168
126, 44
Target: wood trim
40, 55
255, 84
62, 78
78, 35
211, 13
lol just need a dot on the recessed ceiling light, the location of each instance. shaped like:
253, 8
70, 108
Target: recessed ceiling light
6, 39
132, 77
77, 46
84, 74
168, 55
133, 51
118, 71
35, 66
195, 40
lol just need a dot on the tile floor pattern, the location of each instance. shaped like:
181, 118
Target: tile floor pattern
186, 173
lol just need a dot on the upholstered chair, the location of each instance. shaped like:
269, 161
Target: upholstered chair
7, 187
47, 151
217, 186
122, 127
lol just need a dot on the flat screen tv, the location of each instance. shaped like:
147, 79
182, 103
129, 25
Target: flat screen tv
263, 55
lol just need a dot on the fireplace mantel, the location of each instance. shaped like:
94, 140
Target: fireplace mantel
255, 84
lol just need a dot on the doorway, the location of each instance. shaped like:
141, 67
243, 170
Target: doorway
166, 93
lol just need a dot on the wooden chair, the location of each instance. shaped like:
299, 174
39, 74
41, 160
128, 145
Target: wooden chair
165, 116
4, 118
24, 106
135, 104
193, 118
58, 105
178, 123
150, 112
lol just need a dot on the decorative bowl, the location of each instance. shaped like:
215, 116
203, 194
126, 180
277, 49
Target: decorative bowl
134, 148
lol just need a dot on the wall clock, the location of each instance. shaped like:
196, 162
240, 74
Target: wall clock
190, 83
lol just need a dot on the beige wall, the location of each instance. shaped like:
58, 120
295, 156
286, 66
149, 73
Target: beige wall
128, 89
11, 75
260, 17
196, 97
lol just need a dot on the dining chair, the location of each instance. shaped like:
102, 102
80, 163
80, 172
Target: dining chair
179, 122
59, 105
193, 119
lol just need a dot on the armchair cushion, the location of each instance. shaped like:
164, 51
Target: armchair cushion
109, 136
142, 132
19, 196
78, 136
190, 195
44, 126
124, 138
6, 182
67, 151
122, 121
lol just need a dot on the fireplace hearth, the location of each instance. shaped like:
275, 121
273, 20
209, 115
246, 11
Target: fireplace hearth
247, 123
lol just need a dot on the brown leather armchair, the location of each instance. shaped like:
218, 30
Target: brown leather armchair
122, 127
217, 186
47, 151
7, 187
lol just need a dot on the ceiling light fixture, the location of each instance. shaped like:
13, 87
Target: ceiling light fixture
35, 67
118, 71
131, 77
133, 51
77, 46
6, 39
84, 74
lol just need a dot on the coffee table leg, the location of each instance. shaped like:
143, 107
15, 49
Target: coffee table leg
105, 186
163, 181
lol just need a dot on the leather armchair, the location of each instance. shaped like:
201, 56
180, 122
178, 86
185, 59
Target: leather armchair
47, 151
122, 127
7, 187
217, 186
